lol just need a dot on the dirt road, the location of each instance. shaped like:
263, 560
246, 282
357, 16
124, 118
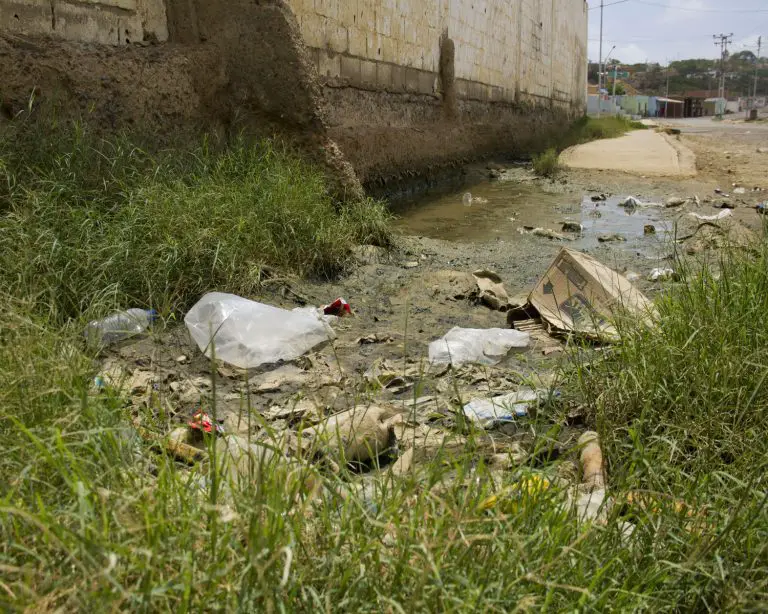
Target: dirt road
642, 152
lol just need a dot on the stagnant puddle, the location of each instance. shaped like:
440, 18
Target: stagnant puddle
507, 209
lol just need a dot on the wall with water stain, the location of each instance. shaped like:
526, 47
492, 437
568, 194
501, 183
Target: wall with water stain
396, 88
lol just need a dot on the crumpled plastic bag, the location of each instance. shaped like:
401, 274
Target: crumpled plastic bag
487, 412
248, 334
473, 345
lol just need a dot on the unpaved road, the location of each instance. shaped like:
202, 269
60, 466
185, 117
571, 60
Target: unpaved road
641, 152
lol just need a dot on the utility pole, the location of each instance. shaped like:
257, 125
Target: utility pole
666, 95
722, 41
757, 65
600, 63
615, 71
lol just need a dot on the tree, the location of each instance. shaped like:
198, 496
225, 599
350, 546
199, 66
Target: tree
620, 89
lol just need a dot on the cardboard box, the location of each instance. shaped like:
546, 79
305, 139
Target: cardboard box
580, 294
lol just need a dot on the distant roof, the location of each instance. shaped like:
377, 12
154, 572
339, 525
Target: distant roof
669, 100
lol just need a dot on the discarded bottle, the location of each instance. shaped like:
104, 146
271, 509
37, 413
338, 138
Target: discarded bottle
467, 199
119, 326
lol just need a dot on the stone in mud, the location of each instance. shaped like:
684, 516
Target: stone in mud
573, 227
611, 238
359, 434
675, 201
370, 254
491, 290
450, 285
649, 229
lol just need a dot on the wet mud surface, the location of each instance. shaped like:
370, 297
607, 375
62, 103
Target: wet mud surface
406, 297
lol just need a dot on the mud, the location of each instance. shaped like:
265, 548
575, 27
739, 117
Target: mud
413, 294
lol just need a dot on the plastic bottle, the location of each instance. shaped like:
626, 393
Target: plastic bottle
119, 326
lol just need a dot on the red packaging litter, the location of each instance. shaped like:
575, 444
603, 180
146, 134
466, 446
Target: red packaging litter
339, 308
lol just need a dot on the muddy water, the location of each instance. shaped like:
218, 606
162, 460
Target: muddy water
507, 209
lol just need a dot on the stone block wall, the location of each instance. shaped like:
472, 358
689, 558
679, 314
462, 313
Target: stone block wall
389, 89
110, 22
505, 50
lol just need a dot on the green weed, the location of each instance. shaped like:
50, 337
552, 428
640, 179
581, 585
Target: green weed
547, 164
89, 221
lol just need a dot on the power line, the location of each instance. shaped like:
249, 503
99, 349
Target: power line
694, 10
682, 8
592, 8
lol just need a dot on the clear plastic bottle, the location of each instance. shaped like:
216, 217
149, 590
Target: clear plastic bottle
119, 326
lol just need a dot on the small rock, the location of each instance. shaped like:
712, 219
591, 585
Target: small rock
675, 201
725, 205
552, 350
610, 238
494, 174
411, 264
740, 191
762, 150
573, 227
599, 198
632, 276
649, 229
182, 360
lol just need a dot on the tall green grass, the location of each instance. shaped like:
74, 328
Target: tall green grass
93, 518
87, 221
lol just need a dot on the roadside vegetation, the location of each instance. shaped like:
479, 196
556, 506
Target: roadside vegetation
94, 518
89, 222
584, 130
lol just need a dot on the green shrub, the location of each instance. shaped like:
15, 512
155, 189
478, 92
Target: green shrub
87, 221
547, 164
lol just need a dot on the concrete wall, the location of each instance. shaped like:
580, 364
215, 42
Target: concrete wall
111, 22
394, 88
505, 50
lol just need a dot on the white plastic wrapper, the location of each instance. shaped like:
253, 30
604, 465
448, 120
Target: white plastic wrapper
487, 412
248, 334
471, 345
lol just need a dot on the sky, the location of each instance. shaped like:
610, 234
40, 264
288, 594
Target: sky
667, 30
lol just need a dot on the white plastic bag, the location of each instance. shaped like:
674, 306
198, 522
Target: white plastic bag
484, 346
248, 334
487, 412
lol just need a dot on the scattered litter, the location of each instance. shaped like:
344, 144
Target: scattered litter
740, 191
248, 334
675, 201
119, 326
512, 499
632, 276
615, 237
721, 193
599, 198
375, 338
470, 200
506, 408
591, 462
580, 294
339, 308
662, 274
491, 290
649, 229
471, 345
547, 233
203, 422
412, 264
712, 218
573, 227
358, 434
762, 208
182, 360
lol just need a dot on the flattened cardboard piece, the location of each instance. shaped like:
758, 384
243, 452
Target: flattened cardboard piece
580, 294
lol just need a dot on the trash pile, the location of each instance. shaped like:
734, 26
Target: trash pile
271, 394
